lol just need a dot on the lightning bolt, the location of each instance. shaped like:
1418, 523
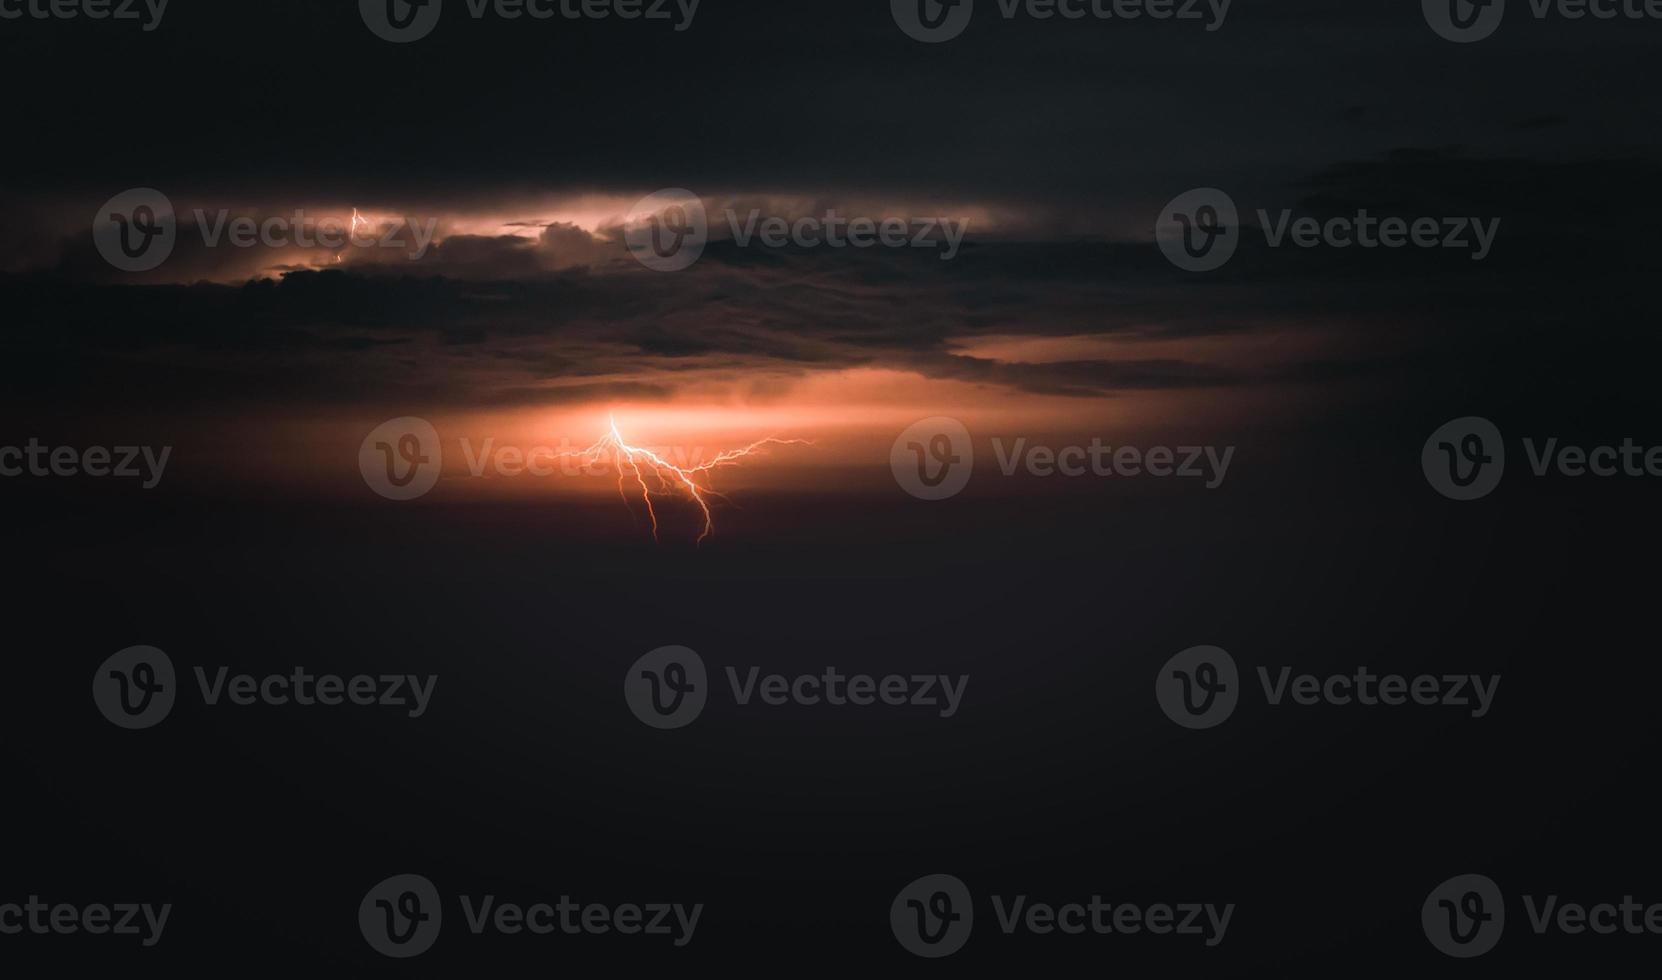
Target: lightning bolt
357, 222
654, 474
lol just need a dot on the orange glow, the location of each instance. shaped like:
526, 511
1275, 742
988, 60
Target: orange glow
541, 453
669, 477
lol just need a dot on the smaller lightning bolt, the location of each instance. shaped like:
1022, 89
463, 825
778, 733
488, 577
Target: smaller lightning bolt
358, 221
652, 473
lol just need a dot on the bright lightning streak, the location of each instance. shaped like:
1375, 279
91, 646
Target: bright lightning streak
649, 468
358, 221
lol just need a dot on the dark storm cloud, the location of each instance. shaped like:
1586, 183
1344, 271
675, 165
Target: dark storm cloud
1081, 131
494, 320
1078, 378
299, 100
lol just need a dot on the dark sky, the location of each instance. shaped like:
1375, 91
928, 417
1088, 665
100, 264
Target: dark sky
1061, 321
248, 96
1074, 133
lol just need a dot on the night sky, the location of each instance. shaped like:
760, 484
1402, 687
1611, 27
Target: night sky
520, 149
